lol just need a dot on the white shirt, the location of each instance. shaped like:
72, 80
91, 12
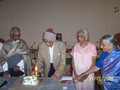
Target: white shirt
1, 45
51, 54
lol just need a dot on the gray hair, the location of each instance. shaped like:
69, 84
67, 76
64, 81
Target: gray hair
85, 32
13, 30
109, 39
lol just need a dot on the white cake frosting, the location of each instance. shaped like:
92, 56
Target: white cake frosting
30, 80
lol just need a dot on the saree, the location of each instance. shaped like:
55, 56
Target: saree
11, 48
111, 70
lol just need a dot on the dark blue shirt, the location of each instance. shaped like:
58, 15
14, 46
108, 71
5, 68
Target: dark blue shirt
100, 59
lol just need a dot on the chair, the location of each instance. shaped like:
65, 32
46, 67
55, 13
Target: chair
117, 36
1, 40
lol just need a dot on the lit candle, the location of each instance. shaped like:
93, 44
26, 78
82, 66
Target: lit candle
36, 72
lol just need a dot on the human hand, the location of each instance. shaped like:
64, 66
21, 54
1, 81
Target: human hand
6, 74
32, 73
54, 77
78, 79
76, 75
41, 73
81, 78
16, 68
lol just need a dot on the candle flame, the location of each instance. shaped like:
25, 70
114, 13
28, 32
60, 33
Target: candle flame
36, 68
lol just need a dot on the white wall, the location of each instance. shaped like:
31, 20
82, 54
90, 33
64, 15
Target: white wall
112, 18
64, 16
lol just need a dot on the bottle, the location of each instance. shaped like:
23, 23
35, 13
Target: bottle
70, 70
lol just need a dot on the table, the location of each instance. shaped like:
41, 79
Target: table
10, 81
44, 84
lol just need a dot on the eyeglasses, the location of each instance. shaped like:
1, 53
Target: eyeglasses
16, 35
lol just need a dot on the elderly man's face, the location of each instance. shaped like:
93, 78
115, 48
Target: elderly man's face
16, 35
48, 43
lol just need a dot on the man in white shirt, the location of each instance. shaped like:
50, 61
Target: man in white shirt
1, 70
15, 51
1, 45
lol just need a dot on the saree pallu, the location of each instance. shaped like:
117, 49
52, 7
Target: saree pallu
111, 70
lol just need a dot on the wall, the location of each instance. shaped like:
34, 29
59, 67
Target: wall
112, 17
64, 16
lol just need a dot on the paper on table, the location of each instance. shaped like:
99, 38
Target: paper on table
67, 78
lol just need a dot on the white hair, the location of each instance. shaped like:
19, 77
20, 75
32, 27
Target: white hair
85, 32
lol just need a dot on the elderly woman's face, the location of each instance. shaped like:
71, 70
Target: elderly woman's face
16, 35
81, 37
106, 46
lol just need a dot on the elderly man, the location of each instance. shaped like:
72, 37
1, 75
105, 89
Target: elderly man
16, 55
51, 55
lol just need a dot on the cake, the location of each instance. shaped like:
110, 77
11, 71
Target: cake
30, 80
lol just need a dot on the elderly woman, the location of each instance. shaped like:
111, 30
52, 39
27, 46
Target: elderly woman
84, 57
109, 62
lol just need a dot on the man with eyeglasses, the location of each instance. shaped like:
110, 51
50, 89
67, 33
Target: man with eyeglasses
16, 60
51, 55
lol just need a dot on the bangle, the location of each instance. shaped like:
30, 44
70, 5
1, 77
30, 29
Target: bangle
84, 75
76, 80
